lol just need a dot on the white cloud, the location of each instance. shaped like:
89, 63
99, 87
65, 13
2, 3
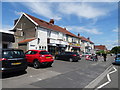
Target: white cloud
60, 0
44, 9
18, 13
110, 44
115, 30
81, 10
78, 29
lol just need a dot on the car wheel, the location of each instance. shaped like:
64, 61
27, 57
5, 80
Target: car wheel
71, 60
49, 65
36, 64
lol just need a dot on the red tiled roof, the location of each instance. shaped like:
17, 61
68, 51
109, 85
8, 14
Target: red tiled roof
50, 26
100, 47
85, 39
26, 40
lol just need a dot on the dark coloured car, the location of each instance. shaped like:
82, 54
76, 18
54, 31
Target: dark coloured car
117, 59
68, 56
12, 60
39, 58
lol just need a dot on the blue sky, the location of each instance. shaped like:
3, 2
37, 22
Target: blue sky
97, 20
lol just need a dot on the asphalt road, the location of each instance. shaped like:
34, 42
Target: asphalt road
112, 79
62, 74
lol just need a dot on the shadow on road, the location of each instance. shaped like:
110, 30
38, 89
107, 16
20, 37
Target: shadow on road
115, 64
12, 74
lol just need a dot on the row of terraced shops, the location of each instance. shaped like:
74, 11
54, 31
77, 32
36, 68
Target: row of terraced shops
33, 33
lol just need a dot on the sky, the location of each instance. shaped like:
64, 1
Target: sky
97, 20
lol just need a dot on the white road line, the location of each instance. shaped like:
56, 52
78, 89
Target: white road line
108, 77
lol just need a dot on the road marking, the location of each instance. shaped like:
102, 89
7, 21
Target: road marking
99, 78
108, 77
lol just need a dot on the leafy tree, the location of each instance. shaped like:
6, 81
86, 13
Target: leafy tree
100, 52
115, 50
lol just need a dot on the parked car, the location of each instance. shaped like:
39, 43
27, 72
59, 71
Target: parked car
117, 59
12, 60
69, 56
39, 58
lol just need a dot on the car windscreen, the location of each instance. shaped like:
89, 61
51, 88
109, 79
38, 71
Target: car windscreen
13, 54
76, 53
70, 53
44, 53
118, 56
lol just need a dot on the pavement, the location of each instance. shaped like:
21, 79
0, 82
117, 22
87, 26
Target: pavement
62, 74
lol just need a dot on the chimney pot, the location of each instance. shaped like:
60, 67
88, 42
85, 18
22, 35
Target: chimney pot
51, 21
78, 34
88, 38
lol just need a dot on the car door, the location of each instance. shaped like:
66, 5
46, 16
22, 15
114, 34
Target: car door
28, 56
67, 55
62, 55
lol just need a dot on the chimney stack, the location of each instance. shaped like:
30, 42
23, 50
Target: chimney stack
15, 21
88, 38
51, 21
78, 34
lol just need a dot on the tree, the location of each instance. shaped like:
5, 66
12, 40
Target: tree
115, 50
100, 52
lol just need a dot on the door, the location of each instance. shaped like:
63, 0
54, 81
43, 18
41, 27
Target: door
62, 55
30, 56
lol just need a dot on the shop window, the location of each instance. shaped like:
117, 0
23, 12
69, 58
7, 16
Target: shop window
5, 45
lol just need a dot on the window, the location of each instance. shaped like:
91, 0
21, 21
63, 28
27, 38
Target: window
13, 54
28, 52
22, 33
38, 40
33, 52
5, 45
44, 52
39, 47
49, 33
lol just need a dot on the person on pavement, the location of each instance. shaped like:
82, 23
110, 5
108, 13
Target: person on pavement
105, 56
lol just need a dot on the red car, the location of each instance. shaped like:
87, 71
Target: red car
39, 57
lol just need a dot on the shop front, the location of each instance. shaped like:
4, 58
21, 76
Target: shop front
56, 46
75, 47
52, 48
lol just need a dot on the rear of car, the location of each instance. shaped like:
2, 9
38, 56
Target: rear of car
45, 58
117, 59
13, 60
39, 58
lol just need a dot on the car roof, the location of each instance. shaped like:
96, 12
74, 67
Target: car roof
36, 50
118, 54
10, 49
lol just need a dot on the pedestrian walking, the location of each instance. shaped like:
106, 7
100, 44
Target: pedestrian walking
105, 56
93, 57
96, 57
